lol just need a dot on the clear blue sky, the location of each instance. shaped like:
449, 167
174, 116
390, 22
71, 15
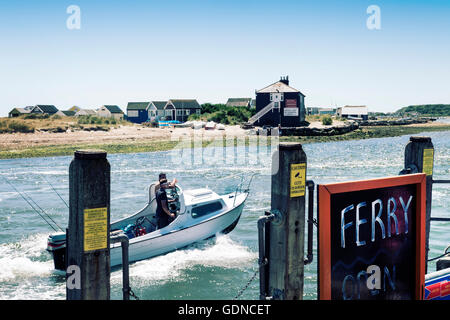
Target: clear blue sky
212, 50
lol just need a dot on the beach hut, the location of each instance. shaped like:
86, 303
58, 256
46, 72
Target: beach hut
279, 104
158, 107
138, 112
181, 109
110, 111
239, 102
85, 112
353, 112
45, 109
16, 112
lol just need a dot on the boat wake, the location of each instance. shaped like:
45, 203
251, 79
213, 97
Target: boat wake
26, 271
220, 251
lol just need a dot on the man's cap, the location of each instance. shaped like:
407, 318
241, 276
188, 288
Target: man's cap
162, 175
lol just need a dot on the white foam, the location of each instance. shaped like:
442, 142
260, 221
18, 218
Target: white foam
23, 259
23, 267
223, 252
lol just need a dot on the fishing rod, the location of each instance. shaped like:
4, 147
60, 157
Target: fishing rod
42, 210
55, 191
34, 207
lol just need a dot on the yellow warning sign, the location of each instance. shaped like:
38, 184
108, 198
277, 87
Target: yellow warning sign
298, 179
95, 229
428, 161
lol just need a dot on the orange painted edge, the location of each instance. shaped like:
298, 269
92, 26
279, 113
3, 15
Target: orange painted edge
374, 183
324, 195
421, 209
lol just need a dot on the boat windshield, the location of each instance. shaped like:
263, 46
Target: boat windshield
205, 209
174, 199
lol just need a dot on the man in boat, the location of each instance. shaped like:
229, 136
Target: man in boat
163, 214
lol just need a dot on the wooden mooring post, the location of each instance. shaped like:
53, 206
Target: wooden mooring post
284, 266
89, 226
419, 158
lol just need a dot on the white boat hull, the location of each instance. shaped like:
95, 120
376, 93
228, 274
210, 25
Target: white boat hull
161, 241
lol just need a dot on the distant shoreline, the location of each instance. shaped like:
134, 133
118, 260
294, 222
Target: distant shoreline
131, 139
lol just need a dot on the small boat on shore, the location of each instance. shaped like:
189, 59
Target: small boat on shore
211, 125
200, 214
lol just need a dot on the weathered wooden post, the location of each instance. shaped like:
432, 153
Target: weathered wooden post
286, 244
419, 157
89, 219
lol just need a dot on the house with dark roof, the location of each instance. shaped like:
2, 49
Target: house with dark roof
16, 112
110, 111
279, 104
158, 107
239, 102
44, 109
181, 109
138, 112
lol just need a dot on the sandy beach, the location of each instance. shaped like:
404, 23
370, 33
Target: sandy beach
132, 134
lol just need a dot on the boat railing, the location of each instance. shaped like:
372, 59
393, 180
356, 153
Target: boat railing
239, 187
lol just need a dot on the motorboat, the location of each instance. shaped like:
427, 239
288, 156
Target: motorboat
200, 214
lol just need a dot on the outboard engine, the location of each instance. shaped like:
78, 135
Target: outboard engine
56, 245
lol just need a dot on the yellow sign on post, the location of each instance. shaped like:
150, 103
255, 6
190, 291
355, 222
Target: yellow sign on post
298, 180
95, 229
428, 161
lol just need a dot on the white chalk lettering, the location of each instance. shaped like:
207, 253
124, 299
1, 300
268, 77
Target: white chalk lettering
377, 219
405, 211
344, 225
393, 214
358, 223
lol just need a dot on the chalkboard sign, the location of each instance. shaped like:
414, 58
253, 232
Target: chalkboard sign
371, 239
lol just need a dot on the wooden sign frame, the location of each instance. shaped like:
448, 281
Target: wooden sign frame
324, 212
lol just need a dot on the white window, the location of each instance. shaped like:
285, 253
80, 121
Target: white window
133, 113
198, 111
188, 112
271, 98
179, 112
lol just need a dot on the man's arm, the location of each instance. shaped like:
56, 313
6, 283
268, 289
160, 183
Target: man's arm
166, 208
172, 184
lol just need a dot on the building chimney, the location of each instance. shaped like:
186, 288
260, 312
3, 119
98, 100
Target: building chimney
285, 80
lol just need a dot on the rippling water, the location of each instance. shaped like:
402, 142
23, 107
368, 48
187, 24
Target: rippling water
214, 269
